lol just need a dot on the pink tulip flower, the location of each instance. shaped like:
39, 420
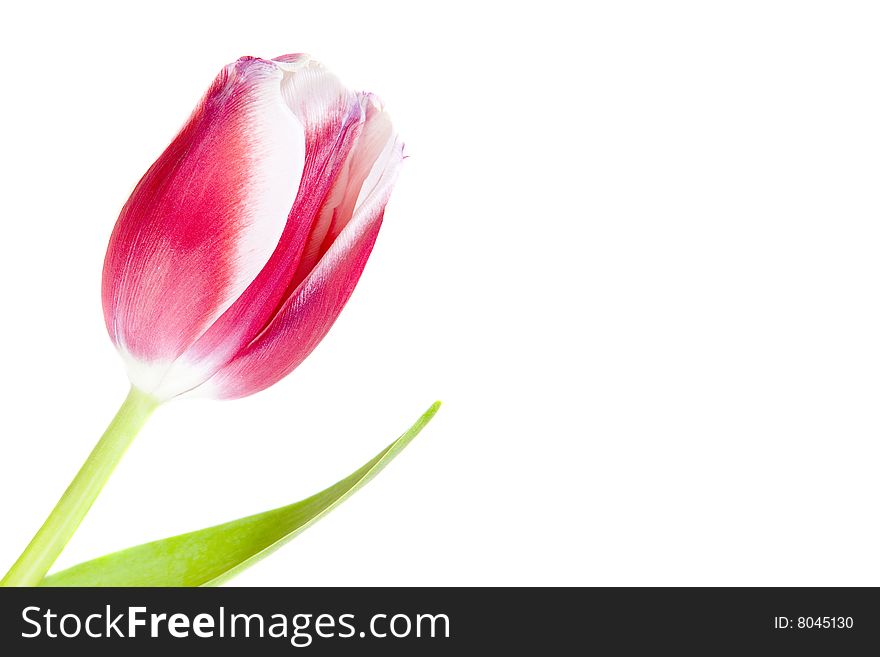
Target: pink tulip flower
228, 264
240, 246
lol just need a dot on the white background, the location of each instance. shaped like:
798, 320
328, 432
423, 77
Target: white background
634, 251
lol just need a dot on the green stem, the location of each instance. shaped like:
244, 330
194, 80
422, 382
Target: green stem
50, 540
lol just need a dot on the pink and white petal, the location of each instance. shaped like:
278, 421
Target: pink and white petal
292, 58
338, 207
307, 315
332, 119
205, 218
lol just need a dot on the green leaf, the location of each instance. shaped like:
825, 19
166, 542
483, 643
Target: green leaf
211, 556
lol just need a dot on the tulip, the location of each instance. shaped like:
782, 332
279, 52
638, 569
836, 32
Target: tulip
235, 253
241, 244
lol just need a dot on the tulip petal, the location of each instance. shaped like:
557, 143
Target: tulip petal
332, 118
338, 206
204, 219
308, 313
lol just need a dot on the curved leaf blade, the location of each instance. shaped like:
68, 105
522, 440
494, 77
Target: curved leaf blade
211, 556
